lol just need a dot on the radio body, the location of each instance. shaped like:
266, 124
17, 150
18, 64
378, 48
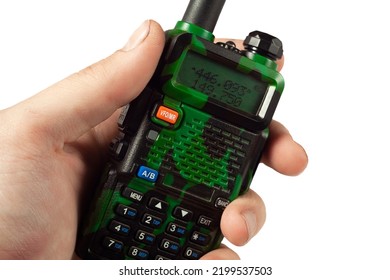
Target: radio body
187, 146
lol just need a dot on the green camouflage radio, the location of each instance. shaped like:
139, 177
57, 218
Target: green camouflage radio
187, 146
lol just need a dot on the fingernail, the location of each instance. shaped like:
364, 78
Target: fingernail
138, 36
251, 222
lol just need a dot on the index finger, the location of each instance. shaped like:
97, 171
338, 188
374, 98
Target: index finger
282, 153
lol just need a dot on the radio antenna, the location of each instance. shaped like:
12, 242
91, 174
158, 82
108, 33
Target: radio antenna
204, 13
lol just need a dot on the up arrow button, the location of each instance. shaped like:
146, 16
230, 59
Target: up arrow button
158, 205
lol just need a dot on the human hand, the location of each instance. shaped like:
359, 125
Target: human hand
53, 142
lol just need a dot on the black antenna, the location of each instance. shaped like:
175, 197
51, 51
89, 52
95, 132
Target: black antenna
204, 13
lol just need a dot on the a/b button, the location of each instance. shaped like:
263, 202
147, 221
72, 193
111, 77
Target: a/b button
147, 174
167, 115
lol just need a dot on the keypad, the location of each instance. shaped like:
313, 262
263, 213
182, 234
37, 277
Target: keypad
145, 233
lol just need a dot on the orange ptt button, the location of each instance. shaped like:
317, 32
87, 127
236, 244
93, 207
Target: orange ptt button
166, 114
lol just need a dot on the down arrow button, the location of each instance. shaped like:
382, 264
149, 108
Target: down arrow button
182, 214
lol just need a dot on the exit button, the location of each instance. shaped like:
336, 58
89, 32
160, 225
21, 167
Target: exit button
147, 174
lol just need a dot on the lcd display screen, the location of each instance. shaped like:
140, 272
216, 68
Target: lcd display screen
227, 85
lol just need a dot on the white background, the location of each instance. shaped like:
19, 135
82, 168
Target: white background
332, 221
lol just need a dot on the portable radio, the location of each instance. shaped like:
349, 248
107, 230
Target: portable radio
187, 146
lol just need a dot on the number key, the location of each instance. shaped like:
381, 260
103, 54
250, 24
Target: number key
192, 254
169, 246
113, 244
145, 237
126, 211
138, 253
151, 221
176, 230
119, 228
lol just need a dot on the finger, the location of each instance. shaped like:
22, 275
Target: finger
222, 253
280, 63
283, 154
243, 218
71, 107
240, 45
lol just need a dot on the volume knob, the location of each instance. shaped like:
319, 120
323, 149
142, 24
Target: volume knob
264, 44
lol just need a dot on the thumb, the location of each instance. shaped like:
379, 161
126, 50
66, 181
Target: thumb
78, 103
